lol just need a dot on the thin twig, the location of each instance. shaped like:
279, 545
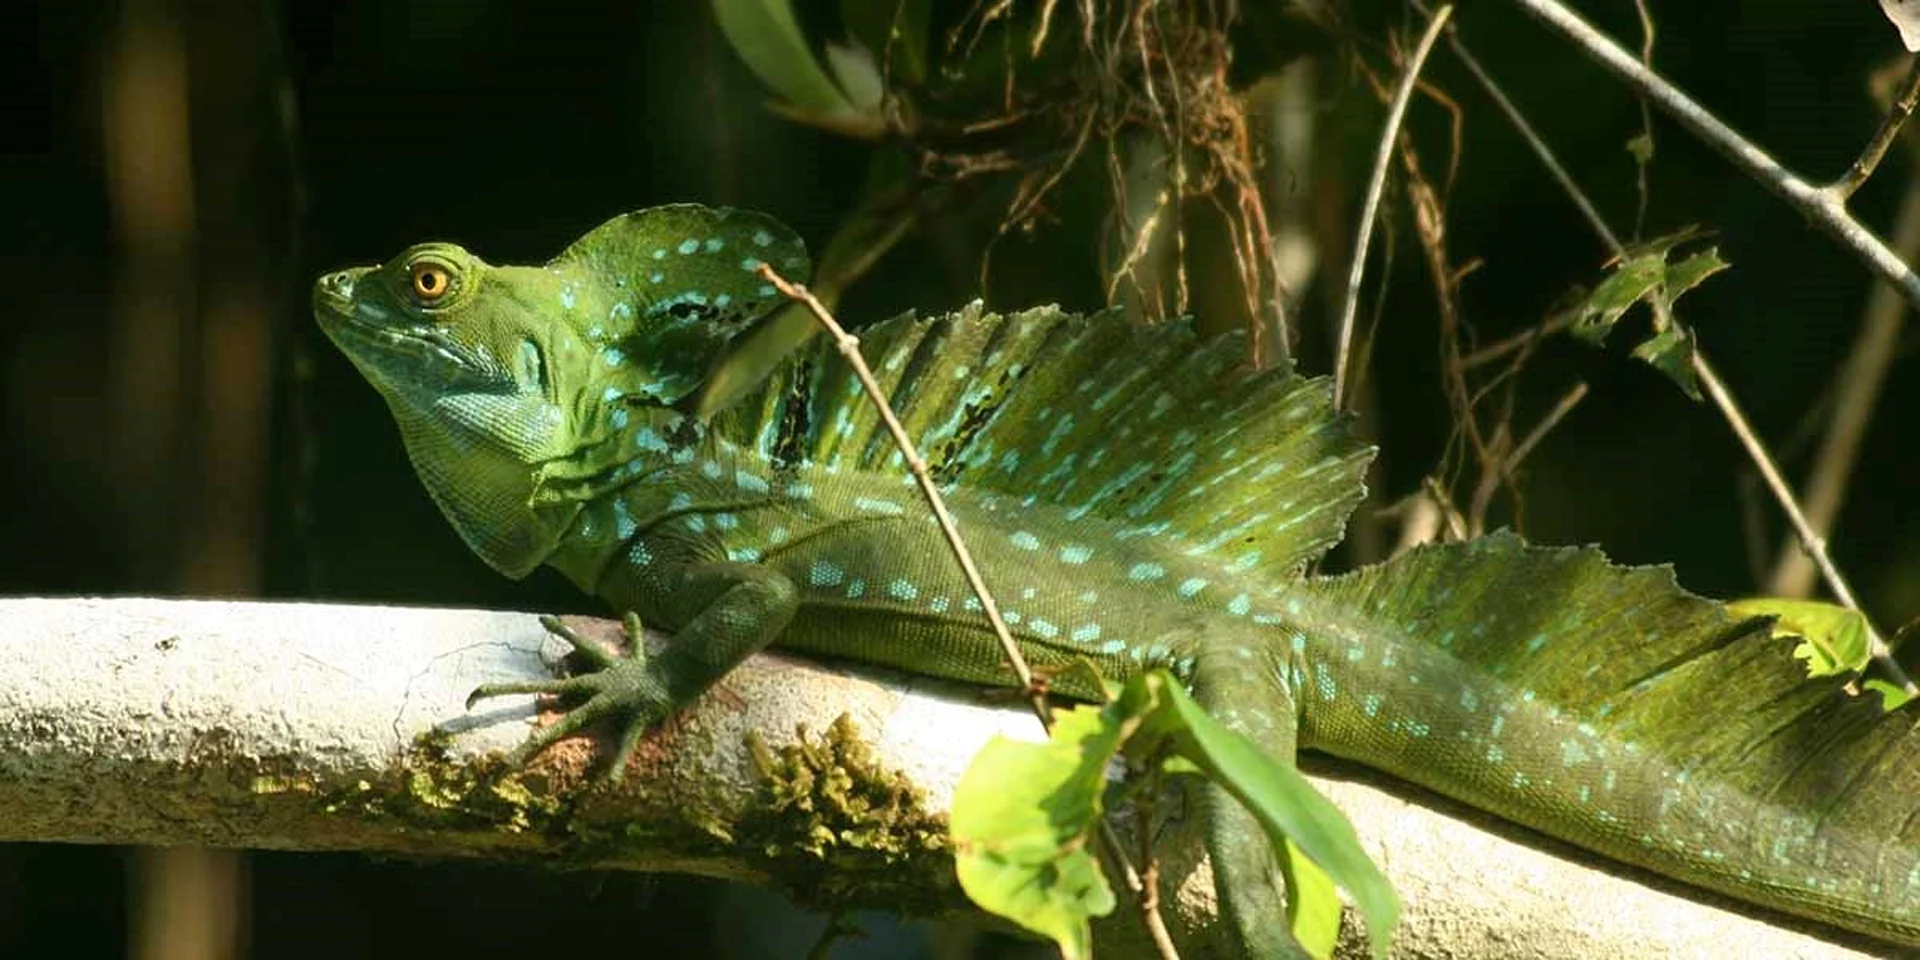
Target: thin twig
1540, 430
1876, 149
1376, 184
1815, 203
849, 347
1857, 387
1809, 539
1643, 156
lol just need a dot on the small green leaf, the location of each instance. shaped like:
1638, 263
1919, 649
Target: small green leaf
1313, 903
1022, 820
767, 36
1630, 283
1642, 149
1689, 273
1891, 697
1833, 639
1671, 352
1283, 802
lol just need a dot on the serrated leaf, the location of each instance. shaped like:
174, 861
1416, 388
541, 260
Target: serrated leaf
1891, 697
1671, 352
895, 30
1689, 273
1630, 283
767, 36
1279, 798
1021, 822
1833, 639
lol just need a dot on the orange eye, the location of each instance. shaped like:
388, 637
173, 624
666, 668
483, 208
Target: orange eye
430, 281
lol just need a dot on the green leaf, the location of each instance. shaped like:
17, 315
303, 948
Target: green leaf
1689, 273
1671, 352
1642, 149
1833, 639
859, 76
895, 30
1022, 820
1891, 697
1630, 283
767, 36
1645, 276
1282, 800
1313, 903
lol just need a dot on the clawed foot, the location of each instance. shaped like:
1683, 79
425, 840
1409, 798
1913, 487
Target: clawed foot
618, 685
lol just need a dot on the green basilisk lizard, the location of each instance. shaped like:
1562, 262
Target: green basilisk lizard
1135, 500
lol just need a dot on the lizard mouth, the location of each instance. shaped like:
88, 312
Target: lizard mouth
372, 335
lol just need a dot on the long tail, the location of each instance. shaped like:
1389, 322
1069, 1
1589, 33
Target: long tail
1606, 706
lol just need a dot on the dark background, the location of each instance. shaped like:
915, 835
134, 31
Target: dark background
173, 174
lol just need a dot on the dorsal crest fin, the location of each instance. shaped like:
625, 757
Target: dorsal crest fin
1146, 426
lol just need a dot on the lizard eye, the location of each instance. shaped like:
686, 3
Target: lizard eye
431, 281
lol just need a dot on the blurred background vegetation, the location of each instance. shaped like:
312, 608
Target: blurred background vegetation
176, 173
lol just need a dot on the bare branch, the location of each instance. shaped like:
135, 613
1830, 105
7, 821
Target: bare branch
1350, 304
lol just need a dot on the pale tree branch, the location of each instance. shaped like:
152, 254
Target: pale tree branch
334, 727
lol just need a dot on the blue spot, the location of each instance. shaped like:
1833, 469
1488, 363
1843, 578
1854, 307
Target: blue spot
567, 297
725, 521
1239, 605
722, 300
659, 253
656, 277
646, 439
1146, 571
689, 246
750, 264
714, 245
1075, 555
639, 555
1495, 754
696, 523
1371, 705
1191, 586
1086, 633
680, 501
743, 555
902, 590
1025, 540
613, 357
874, 505
610, 394
620, 419
856, 588
1539, 640
750, 482
1323, 680
1043, 629
937, 604
824, 574
761, 238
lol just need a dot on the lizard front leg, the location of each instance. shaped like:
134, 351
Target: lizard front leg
741, 608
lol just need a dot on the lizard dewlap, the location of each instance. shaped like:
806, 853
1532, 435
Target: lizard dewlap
1134, 499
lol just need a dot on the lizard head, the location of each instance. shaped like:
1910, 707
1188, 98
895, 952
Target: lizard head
507, 379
